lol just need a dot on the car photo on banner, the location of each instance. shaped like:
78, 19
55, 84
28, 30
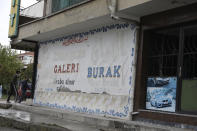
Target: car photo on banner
161, 93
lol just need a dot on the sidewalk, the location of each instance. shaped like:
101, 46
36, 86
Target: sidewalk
30, 117
31, 121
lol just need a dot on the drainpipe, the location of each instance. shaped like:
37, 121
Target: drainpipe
112, 7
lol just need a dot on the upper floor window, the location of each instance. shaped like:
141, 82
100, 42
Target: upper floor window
61, 4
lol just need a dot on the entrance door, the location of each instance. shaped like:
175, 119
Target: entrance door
189, 70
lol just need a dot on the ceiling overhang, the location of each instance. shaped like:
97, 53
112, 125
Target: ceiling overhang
135, 13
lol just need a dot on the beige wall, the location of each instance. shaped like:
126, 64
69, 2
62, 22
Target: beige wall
123, 4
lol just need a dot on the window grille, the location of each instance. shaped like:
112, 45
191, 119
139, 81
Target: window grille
162, 55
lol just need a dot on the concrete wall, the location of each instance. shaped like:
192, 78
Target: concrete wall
48, 7
82, 13
91, 72
75, 15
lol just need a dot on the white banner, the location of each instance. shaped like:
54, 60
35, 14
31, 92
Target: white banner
89, 72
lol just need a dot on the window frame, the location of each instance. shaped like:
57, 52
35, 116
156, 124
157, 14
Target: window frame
179, 115
187, 16
179, 76
67, 8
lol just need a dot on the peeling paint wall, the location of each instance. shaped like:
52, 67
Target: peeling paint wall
91, 72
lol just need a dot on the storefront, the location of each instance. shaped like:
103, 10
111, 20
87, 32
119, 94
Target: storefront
89, 72
132, 60
167, 67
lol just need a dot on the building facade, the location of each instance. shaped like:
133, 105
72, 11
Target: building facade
131, 60
26, 58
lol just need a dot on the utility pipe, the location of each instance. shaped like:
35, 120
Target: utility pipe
112, 7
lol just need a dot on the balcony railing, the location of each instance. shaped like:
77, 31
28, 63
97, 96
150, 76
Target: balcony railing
34, 11
39, 9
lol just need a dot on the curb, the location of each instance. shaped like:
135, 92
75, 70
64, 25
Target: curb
26, 126
98, 121
5, 105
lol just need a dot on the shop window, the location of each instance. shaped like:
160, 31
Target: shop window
163, 53
162, 61
61, 4
170, 69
